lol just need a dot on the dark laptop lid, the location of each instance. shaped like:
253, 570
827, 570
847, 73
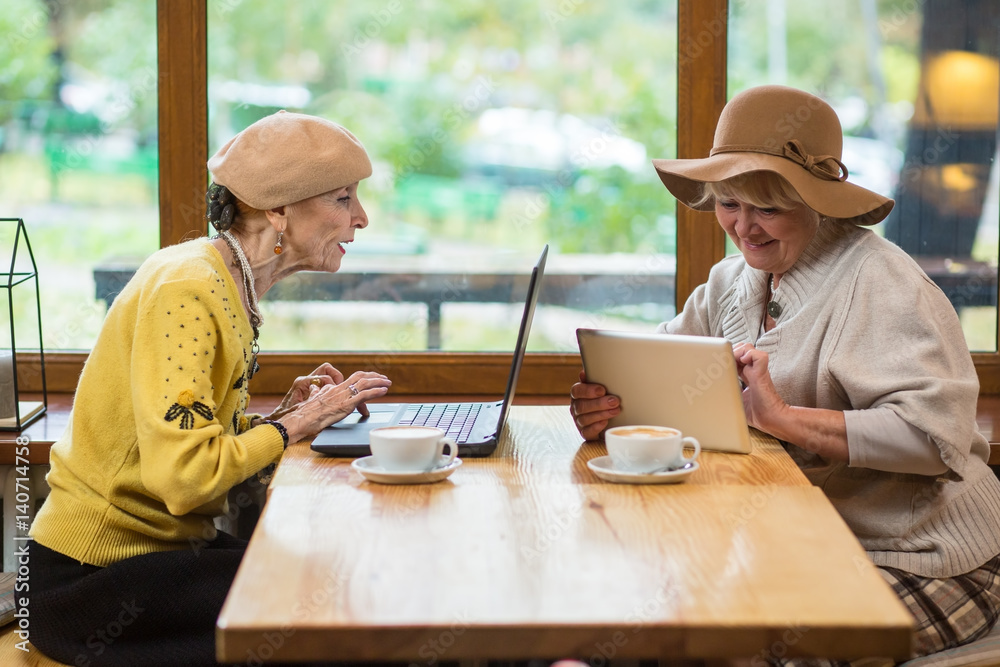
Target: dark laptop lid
349, 437
534, 287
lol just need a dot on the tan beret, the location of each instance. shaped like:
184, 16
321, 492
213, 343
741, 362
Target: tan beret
287, 157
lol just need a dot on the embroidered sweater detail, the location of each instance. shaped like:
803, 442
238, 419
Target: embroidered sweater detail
150, 450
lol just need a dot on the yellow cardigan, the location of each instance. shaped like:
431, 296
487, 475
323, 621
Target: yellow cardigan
158, 432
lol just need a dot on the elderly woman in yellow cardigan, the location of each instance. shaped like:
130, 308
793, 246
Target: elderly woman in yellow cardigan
126, 566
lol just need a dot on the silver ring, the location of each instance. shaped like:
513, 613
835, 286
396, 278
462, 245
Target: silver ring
354, 389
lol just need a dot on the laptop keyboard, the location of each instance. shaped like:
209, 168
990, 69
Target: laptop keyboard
455, 419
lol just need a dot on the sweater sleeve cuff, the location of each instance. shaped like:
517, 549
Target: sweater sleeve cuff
264, 446
882, 440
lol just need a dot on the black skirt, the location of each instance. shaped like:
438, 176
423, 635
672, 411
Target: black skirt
154, 609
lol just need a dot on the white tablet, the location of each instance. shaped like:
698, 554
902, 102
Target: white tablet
687, 382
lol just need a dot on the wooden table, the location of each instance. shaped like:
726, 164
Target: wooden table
526, 554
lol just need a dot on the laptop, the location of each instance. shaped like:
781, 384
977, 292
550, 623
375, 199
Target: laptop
687, 382
476, 427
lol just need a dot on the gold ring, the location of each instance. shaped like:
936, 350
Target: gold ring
315, 382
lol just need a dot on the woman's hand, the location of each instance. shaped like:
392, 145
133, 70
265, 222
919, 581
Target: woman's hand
816, 430
302, 386
591, 408
329, 398
761, 401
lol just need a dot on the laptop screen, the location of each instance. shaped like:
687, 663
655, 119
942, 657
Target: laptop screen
534, 287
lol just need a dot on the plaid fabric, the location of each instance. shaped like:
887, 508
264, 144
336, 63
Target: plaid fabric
949, 612
7, 597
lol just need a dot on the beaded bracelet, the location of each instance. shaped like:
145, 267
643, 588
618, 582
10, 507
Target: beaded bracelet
281, 429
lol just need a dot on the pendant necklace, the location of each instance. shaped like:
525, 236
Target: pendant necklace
773, 307
252, 304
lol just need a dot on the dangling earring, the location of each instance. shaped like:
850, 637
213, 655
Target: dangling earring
277, 246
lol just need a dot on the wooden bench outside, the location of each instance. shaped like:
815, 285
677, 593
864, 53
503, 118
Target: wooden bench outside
583, 282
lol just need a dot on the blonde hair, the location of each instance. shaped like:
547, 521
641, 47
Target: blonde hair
763, 189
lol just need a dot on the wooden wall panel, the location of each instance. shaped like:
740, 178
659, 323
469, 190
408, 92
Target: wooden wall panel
701, 94
183, 118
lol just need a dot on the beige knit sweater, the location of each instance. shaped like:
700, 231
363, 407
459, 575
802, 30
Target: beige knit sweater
863, 327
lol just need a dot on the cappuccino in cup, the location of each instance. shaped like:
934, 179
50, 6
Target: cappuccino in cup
645, 449
411, 448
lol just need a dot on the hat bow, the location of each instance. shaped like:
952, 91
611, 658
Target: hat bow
826, 167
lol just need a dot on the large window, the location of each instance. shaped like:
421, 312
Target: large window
916, 86
391, 72
78, 147
494, 128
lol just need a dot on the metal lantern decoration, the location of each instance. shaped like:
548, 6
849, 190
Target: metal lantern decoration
20, 364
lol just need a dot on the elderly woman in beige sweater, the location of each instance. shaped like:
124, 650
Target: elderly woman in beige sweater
850, 356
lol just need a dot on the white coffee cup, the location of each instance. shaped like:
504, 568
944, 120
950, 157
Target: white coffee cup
648, 448
411, 448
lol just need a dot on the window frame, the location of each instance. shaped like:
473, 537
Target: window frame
183, 145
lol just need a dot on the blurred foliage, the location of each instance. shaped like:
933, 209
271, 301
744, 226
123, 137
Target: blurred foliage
412, 78
829, 49
124, 68
70, 67
28, 70
590, 216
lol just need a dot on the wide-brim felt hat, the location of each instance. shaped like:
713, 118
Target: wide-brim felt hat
288, 157
786, 131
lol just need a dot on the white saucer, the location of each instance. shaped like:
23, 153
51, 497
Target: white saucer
373, 473
602, 468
